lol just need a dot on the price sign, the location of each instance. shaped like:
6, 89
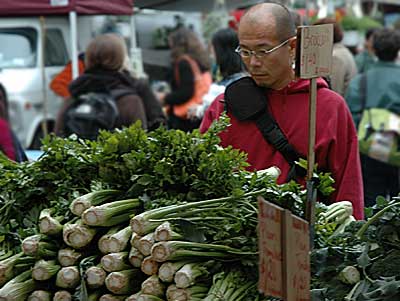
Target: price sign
284, 259
270, 248
297, 258
314, 50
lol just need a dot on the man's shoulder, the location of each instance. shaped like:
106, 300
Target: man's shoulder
330, 98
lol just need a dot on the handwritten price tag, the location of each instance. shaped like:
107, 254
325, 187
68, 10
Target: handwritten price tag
314, 50
270, 248
284, 259
299, 260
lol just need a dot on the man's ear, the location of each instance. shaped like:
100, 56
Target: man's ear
292, 44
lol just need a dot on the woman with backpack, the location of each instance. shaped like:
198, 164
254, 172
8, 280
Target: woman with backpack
103, 80
191, 78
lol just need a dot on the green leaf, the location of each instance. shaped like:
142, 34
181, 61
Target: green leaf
368, 212
381, 202
364, 260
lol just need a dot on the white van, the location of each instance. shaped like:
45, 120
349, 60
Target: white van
30, 101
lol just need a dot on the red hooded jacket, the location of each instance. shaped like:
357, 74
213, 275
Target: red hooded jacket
336, 145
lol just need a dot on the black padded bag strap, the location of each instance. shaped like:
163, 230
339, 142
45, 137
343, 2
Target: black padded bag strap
255, 108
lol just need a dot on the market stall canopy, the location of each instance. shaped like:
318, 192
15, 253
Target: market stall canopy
185, 5
12, 8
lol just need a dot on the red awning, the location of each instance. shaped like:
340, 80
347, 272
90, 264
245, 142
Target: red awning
12, 8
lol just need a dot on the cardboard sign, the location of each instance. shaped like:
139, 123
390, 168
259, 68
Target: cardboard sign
297, 258
284, 259
314, 51
270, 248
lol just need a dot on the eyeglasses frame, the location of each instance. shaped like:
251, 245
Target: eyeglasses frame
264, 52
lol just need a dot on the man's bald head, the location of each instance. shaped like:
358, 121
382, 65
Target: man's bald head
284, 24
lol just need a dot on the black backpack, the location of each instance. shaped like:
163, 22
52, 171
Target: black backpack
89, 113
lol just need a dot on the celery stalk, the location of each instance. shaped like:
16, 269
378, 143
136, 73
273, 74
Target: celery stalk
68, 277
135, 240
164, 232
124, 282
40, 296
114, 262
78, 235
68, 257
153, 286
146, 243
18, 288
95, 276
119, 241
135, 257
7, 266
109, 297
62, 296
178, 250
187, 275
168, 269
80, 204
147, 221
110, 214
145, 297
44, 270
48, 224
149, 266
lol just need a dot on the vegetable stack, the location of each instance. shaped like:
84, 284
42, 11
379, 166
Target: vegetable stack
133, 215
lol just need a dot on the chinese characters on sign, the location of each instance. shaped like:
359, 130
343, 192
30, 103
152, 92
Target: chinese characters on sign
298, 259
284, 263
314, 50
270, 248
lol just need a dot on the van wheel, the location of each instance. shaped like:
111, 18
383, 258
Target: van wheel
36, 142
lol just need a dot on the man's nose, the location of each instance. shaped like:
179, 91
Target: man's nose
254, 61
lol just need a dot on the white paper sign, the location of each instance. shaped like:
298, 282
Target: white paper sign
59, 2
314, 50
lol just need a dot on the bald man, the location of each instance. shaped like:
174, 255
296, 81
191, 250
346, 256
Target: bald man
267, 45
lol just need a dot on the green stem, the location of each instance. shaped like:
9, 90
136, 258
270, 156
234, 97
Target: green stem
373, 219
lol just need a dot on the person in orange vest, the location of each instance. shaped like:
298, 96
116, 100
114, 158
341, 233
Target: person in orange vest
59, 84
191, 78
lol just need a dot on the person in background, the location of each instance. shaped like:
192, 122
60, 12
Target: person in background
104, 62
6, 140
297, 18
343, 65
230, 65
59, 84
267, 45
9, 143
191, 79
366, 58
382, 91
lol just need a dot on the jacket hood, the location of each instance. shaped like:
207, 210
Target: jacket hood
302, 85
97, 80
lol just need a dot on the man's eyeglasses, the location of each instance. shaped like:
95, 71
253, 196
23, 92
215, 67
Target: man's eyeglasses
260, 53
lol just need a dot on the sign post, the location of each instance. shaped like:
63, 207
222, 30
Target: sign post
313, 60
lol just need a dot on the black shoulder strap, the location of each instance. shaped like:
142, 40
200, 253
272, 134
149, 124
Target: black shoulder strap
255, 108
273, 134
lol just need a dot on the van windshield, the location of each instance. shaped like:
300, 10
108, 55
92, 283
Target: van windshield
18, 47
